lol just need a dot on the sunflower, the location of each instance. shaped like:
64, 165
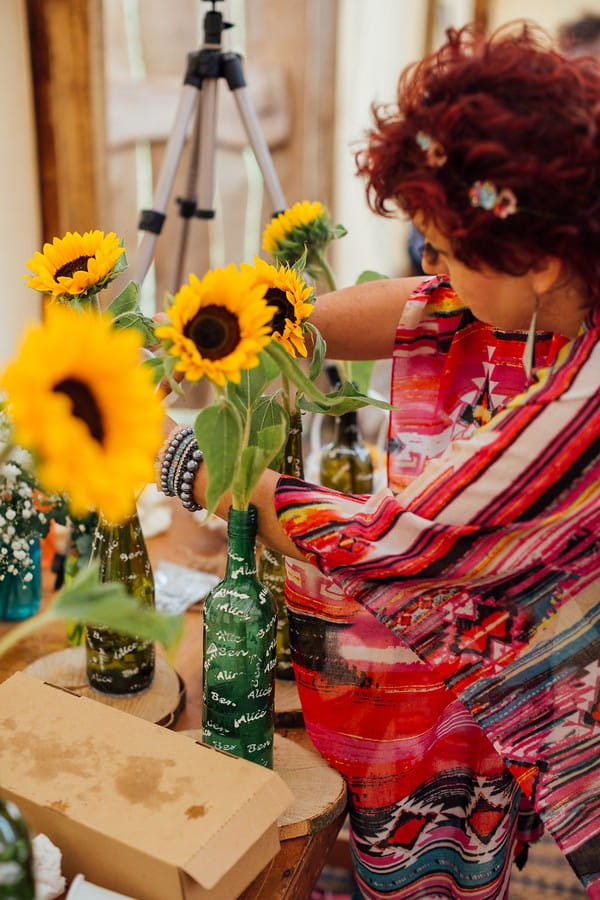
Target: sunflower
77, 265
86, 408
303, 229
289, 293
219, 325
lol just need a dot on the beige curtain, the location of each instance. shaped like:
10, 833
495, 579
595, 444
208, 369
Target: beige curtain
375, 41
20, 228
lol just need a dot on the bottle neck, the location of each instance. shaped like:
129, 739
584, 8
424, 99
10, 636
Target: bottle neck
346, 429
241, 551
293, 463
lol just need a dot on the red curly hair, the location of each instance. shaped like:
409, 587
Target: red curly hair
509, 109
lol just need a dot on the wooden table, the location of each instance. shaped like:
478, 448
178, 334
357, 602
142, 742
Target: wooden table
293, 872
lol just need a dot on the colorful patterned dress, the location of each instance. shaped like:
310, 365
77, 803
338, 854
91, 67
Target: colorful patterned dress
446, 639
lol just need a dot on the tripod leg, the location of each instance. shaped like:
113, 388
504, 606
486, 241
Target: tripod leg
202, 169
151, 221
233, 73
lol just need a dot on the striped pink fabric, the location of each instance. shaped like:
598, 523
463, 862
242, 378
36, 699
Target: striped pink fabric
485, 564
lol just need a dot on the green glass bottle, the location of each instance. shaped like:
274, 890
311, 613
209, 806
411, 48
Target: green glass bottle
271, 564
16, 857
346, 464
118, 663
79, 549
240, 624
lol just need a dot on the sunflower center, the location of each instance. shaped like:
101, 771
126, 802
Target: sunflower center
285, 310
84, 405
74, 265
215, 331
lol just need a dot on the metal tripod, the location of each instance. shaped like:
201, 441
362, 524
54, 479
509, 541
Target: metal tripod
199, 96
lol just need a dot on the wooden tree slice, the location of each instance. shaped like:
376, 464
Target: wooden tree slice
319, 791
161, 703
288, 711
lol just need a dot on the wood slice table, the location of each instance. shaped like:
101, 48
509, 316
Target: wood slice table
319, 791
161, 703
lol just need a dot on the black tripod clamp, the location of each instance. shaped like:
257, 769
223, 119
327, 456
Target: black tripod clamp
202, 64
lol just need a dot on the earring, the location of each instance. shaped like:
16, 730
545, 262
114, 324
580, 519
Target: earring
529, 350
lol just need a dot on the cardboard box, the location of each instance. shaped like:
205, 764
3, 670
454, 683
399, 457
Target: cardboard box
135, 807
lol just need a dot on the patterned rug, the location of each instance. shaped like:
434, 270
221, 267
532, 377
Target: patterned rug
547, 876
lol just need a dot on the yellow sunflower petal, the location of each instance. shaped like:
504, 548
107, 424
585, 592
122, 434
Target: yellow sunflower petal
86, 408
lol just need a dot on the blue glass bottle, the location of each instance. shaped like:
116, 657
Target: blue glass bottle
21, 596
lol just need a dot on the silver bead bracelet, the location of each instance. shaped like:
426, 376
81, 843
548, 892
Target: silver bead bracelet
180, 463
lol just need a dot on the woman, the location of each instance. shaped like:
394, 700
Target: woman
445, 636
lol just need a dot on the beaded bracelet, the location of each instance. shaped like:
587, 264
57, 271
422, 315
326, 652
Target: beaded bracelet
180, 463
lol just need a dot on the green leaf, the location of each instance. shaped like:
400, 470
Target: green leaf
121, 264
272, 439
126, 301
139, 321
370, 275
253, 382
108, 605
319, 350
291, 370
267, 412
156, 364
344, 400
338, 231
218, 430
252, 465
299, 264
348, 398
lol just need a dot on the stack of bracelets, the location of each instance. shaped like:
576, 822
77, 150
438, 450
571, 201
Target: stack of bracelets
180, 463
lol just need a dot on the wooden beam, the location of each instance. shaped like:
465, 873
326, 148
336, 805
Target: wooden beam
66, 61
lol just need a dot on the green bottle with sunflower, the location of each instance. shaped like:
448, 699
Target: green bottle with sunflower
118, 663
240, 626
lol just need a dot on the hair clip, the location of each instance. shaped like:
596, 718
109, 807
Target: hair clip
433, 150
502, 203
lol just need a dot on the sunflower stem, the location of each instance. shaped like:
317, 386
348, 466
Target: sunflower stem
25, 628
325, 269
287, 394
241, 502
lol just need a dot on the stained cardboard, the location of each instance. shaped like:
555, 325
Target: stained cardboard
137, 808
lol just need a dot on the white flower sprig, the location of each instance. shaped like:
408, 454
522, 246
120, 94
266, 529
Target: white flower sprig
24, 511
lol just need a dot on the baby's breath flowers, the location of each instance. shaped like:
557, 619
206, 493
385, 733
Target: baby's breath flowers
82, 403
303, 229
76, 266
25, 513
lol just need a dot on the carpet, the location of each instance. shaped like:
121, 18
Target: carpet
546, 876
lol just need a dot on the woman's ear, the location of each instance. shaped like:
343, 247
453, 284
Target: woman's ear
545, 275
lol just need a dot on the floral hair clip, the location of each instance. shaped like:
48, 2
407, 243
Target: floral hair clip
502, 203
433, 150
